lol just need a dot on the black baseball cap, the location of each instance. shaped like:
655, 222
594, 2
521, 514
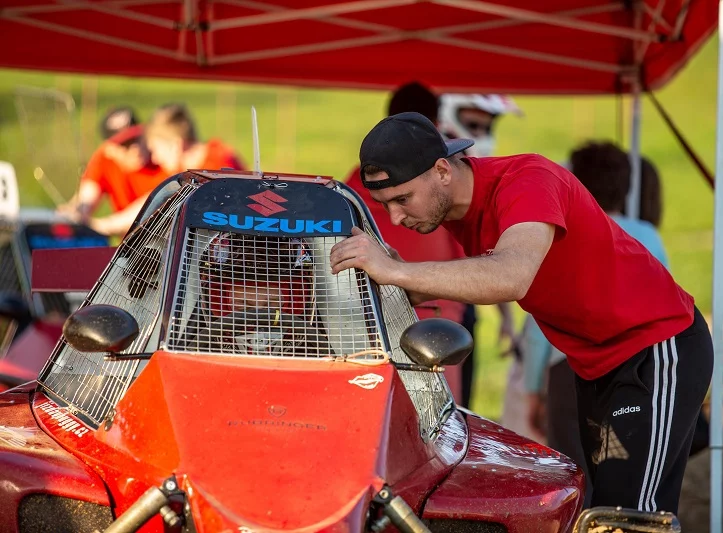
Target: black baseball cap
404, 146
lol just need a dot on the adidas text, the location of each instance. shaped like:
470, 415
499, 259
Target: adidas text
626, 410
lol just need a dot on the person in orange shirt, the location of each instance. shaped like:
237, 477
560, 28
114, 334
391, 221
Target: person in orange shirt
121, 169
173, 140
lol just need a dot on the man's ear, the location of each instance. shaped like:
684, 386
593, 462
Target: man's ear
444, 169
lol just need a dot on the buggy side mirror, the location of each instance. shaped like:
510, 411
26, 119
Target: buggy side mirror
14, 307
436, 342
100, 328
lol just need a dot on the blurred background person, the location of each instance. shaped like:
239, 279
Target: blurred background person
120, 169
474, 116
604, 169
175, 146
411, 246
440, 245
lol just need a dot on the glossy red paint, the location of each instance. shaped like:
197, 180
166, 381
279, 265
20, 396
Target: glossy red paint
294, 445
29, 352
278, 444
511, 480
32, 462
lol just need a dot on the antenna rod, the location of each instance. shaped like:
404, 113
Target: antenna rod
257, 153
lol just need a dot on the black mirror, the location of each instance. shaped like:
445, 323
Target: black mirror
14, 307
436, 342
100, 328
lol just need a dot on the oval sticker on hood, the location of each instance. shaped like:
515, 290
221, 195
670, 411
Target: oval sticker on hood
367, 381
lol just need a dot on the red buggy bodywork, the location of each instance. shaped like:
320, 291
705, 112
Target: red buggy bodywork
266, 443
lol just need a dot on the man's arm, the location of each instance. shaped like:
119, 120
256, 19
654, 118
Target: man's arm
504, 276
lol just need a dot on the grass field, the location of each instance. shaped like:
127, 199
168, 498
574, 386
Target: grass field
319, 131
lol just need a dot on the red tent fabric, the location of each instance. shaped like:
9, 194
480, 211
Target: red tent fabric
555, 46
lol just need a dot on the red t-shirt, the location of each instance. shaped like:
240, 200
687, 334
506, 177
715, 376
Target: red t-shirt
599, 296
218, 156
412, 246
122, 188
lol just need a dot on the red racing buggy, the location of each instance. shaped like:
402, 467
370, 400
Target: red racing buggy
219, 378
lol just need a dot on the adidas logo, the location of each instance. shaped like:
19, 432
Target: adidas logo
626, 410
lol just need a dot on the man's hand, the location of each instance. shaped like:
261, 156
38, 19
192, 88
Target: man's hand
363, 252
395, 255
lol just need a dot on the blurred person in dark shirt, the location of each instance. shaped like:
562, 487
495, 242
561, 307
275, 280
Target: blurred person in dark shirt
436, 246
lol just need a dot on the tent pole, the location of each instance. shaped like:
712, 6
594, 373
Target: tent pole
716, 422
633, 201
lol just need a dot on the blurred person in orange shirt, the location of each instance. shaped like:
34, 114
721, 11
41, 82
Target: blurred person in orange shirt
175, 146
436, 246
120, 169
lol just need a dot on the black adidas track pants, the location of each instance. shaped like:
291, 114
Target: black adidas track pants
637, 421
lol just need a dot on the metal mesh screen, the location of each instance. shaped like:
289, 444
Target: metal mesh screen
429, 392
90, 384
268, 296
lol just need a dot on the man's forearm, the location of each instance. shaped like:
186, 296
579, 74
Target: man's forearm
478, 280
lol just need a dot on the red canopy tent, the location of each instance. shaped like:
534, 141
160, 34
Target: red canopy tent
557, 46
541, 47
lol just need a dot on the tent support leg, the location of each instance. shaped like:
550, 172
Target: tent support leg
633, 201
716, 422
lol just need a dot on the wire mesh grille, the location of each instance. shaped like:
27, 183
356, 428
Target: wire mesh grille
428, 391
268, 296
132, 282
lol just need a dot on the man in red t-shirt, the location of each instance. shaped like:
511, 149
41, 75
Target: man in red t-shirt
437, 246
641, 350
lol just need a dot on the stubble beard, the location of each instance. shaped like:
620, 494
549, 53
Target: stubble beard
442, 204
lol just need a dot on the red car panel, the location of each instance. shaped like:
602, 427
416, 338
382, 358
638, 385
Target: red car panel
511, 480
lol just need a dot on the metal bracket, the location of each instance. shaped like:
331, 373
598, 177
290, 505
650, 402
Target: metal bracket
397, 512
626, 521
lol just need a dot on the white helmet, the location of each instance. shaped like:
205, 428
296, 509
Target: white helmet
451, 127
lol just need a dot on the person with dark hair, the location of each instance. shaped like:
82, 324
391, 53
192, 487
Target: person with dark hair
120, 169
116, 120
641, 350
415, 97
438, 246
604, 169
